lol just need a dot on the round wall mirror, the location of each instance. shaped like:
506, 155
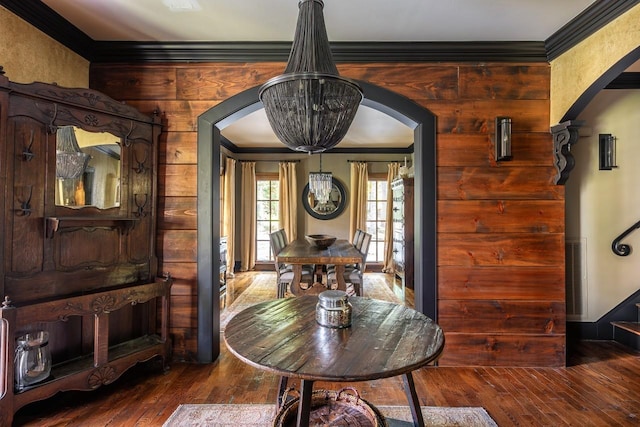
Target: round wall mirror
331, 209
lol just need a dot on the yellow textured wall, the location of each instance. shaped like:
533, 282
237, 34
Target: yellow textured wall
29, 55
575, 70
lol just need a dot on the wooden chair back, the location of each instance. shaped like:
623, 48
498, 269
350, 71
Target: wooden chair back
357, 238
364, 250
278, 241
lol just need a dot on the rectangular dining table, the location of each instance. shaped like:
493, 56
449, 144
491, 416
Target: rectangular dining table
300, 252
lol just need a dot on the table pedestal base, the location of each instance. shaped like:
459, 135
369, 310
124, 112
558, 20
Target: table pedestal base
306, 392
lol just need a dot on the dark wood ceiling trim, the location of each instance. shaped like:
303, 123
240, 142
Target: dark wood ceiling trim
159, 52
582, 26
233, 148
337, 150
625, 81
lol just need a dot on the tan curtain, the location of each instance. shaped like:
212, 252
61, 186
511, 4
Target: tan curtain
288, 199
228, 210
358, 198
387, 265
248, 217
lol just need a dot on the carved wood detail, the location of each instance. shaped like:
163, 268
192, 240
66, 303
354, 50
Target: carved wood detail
564, 135
83, 274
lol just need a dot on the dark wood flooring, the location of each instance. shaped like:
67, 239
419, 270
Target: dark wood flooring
599, 387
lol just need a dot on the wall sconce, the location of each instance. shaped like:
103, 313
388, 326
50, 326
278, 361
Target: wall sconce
607, 143
503, 138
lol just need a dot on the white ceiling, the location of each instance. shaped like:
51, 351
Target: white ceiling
346, 20
369, 128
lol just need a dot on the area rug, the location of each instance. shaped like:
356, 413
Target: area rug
210, 415
263, 289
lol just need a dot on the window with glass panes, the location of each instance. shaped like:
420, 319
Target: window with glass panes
267, 214
376, 216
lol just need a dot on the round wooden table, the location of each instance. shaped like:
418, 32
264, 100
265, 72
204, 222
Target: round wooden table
384, 340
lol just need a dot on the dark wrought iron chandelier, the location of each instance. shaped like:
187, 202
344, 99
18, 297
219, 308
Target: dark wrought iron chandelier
310, 107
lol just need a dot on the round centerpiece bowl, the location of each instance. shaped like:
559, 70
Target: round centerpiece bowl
321, 241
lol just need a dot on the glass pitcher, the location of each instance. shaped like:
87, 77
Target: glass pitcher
33, 359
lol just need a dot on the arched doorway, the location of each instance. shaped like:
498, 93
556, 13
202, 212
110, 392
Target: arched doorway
210, 124
601, 83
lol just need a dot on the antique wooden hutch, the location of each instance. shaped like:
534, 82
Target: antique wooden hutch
78, 239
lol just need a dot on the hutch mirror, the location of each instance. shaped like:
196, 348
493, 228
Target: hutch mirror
88, 170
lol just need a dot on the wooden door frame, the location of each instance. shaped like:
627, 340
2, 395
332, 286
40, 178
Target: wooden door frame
210, 124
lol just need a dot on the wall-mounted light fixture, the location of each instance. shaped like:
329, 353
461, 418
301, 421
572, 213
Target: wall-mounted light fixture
607, 149
503, 138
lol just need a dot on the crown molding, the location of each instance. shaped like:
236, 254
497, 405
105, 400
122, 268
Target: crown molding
47, 20
162, 52
233, 148
585, 24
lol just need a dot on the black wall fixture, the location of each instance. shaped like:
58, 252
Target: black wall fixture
503, 138
607, 151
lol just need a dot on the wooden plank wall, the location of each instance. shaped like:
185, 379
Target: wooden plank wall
500, 225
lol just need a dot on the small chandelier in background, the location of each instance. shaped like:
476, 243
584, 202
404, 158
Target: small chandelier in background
310, 107
71, 162
321, 184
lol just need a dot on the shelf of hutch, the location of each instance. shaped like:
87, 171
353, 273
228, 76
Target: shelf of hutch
105, 363
53, 224
403, 233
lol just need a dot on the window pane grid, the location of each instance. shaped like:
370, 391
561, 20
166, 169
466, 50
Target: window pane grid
376, 217
267, 216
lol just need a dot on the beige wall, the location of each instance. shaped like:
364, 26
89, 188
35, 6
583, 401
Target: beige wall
602, 204
340, 168
29, 55
574, 71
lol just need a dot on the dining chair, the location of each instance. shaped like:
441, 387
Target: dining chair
358, 238
284, 272
354, 274
278, 242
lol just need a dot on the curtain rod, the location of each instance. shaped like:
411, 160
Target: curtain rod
374, 161
270, 161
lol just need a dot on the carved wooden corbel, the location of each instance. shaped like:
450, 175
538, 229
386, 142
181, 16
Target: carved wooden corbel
565, 134
53, 128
